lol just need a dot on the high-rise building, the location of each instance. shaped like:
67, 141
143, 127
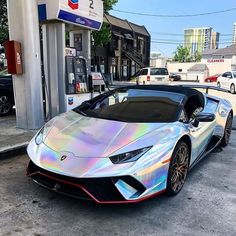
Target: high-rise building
215, 38
198, 39
234, 34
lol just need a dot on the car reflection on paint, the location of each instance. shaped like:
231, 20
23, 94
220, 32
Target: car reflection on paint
129, 144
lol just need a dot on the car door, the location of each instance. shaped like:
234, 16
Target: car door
221, 80
202, 134
143, 76
228, 80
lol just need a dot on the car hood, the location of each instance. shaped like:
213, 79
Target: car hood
92, 137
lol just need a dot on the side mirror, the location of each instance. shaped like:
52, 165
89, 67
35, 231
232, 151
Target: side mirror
203, 117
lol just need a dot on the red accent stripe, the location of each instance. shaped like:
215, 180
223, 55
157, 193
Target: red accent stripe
166, 161
90, 195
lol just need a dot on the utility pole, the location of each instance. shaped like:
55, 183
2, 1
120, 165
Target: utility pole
24, 28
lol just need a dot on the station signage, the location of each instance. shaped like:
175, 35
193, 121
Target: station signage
215, 60
84, 13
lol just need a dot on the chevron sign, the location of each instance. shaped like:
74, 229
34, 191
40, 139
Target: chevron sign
73, 4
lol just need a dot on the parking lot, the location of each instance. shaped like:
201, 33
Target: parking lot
206, 205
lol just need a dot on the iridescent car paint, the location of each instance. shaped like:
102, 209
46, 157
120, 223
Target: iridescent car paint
76, 149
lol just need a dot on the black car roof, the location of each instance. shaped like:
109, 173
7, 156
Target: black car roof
188, 92
194, 98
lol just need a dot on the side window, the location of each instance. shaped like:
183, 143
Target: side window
211, 106
144, 72
155, 71
183, 116
229, 75
164, 71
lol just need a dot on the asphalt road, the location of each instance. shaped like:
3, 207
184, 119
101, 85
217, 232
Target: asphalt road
206, 205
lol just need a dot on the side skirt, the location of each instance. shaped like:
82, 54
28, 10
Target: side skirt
214, 142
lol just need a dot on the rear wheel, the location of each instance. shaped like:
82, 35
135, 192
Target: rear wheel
228, 129
5, 105
232, 88
178, 169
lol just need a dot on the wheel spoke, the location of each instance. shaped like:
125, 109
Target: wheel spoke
179, 168
5, 105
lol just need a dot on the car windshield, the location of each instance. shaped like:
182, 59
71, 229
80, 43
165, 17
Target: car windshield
137, 105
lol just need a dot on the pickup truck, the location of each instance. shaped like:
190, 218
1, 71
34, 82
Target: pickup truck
6, 95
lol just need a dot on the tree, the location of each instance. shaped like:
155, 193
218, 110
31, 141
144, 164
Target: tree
103, 37
198, 56
108, 5
182, 54
3, 22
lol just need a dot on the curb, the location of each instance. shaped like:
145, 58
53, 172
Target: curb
15, 150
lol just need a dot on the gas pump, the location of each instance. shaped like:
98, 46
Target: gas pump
66, 43
79, 85
76, 75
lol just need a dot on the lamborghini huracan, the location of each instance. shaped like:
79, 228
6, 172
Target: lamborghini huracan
129, 144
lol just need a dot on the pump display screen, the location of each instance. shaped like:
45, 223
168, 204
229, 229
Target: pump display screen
76, 75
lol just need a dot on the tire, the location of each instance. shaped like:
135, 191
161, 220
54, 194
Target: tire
178, 169
6, 104
228, 129
218, 85
232, 89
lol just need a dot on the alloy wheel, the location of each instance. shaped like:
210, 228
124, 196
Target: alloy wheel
179, 168
5, 105
232, 89
228, 129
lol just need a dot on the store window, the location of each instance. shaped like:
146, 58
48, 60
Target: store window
133, 68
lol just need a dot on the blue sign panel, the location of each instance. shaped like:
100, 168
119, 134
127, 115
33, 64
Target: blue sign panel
79, 20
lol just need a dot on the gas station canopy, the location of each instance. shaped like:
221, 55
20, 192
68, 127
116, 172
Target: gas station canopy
84, 13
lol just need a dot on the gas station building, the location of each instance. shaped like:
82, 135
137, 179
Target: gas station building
60, 53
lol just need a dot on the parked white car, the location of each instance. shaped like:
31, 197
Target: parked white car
152, 75
227, 81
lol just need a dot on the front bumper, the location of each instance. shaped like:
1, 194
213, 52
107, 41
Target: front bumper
101, 190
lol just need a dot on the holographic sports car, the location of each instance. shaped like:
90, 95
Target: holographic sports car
129, 144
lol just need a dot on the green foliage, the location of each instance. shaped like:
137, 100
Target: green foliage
108, 5
3, 22
198, 56
102, 37
182, 54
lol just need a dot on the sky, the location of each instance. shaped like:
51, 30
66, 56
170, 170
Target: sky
222, 23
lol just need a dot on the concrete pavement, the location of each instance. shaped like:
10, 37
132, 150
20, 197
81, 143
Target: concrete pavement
12, 139
206, 206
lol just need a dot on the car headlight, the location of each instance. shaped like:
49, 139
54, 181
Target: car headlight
129, 156
39, 137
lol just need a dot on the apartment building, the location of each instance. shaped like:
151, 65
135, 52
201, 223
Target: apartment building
199, 39
234, 34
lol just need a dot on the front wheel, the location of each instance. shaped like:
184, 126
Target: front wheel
5, 105
178, 169
232, 88
228, 129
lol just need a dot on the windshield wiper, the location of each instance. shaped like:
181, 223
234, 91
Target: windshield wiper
80, 112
